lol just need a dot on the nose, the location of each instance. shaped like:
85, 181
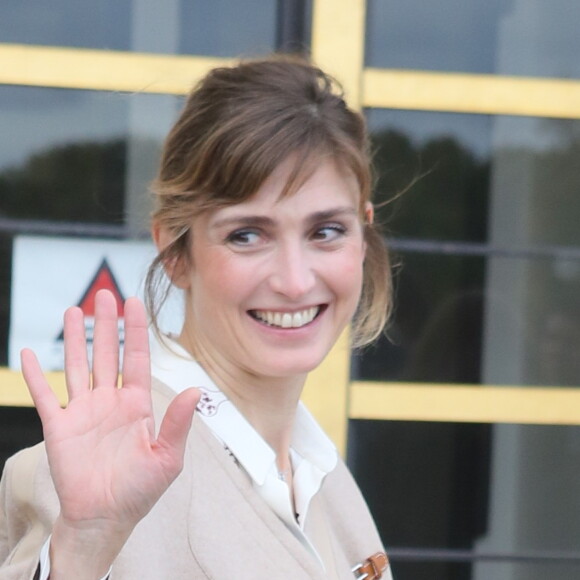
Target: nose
292, 272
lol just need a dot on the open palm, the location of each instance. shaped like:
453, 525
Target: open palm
108, 466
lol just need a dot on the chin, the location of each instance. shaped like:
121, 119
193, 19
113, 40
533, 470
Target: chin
295, 365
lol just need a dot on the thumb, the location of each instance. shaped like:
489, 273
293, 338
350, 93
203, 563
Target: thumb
177, 421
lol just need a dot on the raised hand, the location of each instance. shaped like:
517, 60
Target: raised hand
107, 464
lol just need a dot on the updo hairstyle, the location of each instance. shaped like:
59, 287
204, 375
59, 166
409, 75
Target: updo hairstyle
240, 123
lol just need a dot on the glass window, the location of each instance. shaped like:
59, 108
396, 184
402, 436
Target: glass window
463, 170
83, 24
465, 319
486, 247
436, 332
514, 569
69, 154
487, 257
217, 28
482, 489
65, 158
510, 37
5, 276
75, 156
441, 162
19, 428
226, 28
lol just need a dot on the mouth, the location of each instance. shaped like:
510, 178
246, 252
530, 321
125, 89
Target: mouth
296, 319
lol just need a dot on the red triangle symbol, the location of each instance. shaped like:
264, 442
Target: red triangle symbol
103, 279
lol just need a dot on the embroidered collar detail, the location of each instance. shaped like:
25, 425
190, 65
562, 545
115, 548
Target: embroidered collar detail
172, 365
210, 402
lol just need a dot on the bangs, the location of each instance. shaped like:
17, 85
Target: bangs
251, 171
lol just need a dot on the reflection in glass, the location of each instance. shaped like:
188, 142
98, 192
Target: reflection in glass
227, 27
505, 315
441, 162
5, 276
451, 325
78, 23
532, 316
509, 37
553, 570
436, 332
65, 158
532, 309
445, 485
78, 155
19, 428
533, 497
217, 28
500, 320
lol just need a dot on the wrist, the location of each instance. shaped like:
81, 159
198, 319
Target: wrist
83, 551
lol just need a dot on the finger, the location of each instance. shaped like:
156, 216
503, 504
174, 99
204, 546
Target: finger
177, 422
44, 399
105, 341
136, 360
76, 364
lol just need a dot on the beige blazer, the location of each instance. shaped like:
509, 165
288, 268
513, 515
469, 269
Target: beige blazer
209, 524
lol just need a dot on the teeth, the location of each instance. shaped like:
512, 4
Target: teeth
287, 319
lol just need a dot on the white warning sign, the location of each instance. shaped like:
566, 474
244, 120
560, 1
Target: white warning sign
51, 274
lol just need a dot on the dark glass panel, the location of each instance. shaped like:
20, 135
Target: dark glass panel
217, 28
512, 181
65, 158
105, 24
508, 37
228, 28
429, 482
529, 309
5, 278
516, 570
519, 197
409, 570
489, 489
19, 428
441, 164
436, 332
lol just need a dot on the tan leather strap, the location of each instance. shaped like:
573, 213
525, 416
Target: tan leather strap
372, 568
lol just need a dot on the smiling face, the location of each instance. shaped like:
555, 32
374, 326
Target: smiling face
273, 281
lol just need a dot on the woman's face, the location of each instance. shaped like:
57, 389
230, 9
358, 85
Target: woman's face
274, 281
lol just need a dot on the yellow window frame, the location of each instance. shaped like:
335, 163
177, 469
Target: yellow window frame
338, 33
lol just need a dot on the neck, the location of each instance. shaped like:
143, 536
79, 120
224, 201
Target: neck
268, 403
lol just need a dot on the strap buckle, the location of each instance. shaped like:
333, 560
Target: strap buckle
359, 574
372, 568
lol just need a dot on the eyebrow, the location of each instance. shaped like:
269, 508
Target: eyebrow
264, 220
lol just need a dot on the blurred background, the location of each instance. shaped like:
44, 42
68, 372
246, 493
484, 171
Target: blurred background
474, 111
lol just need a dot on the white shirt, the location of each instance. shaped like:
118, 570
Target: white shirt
312, 453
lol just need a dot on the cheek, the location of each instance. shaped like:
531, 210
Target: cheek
218, 280
347, 272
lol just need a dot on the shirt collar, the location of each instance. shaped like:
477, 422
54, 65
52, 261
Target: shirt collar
174, 366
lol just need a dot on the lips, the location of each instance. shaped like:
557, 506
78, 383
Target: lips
294, 319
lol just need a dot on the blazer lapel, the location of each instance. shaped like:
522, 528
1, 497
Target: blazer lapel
233, 532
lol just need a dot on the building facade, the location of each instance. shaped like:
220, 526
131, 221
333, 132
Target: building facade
461, 425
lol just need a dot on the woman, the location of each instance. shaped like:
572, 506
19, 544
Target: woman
264, 221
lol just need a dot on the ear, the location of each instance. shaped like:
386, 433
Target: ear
368, 219
175, 267
369, 213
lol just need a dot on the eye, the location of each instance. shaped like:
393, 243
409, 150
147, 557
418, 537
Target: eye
243, 238
329, 232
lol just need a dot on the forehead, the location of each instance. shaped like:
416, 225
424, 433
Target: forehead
322, 188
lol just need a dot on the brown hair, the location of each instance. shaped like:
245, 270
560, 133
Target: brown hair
237, 126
